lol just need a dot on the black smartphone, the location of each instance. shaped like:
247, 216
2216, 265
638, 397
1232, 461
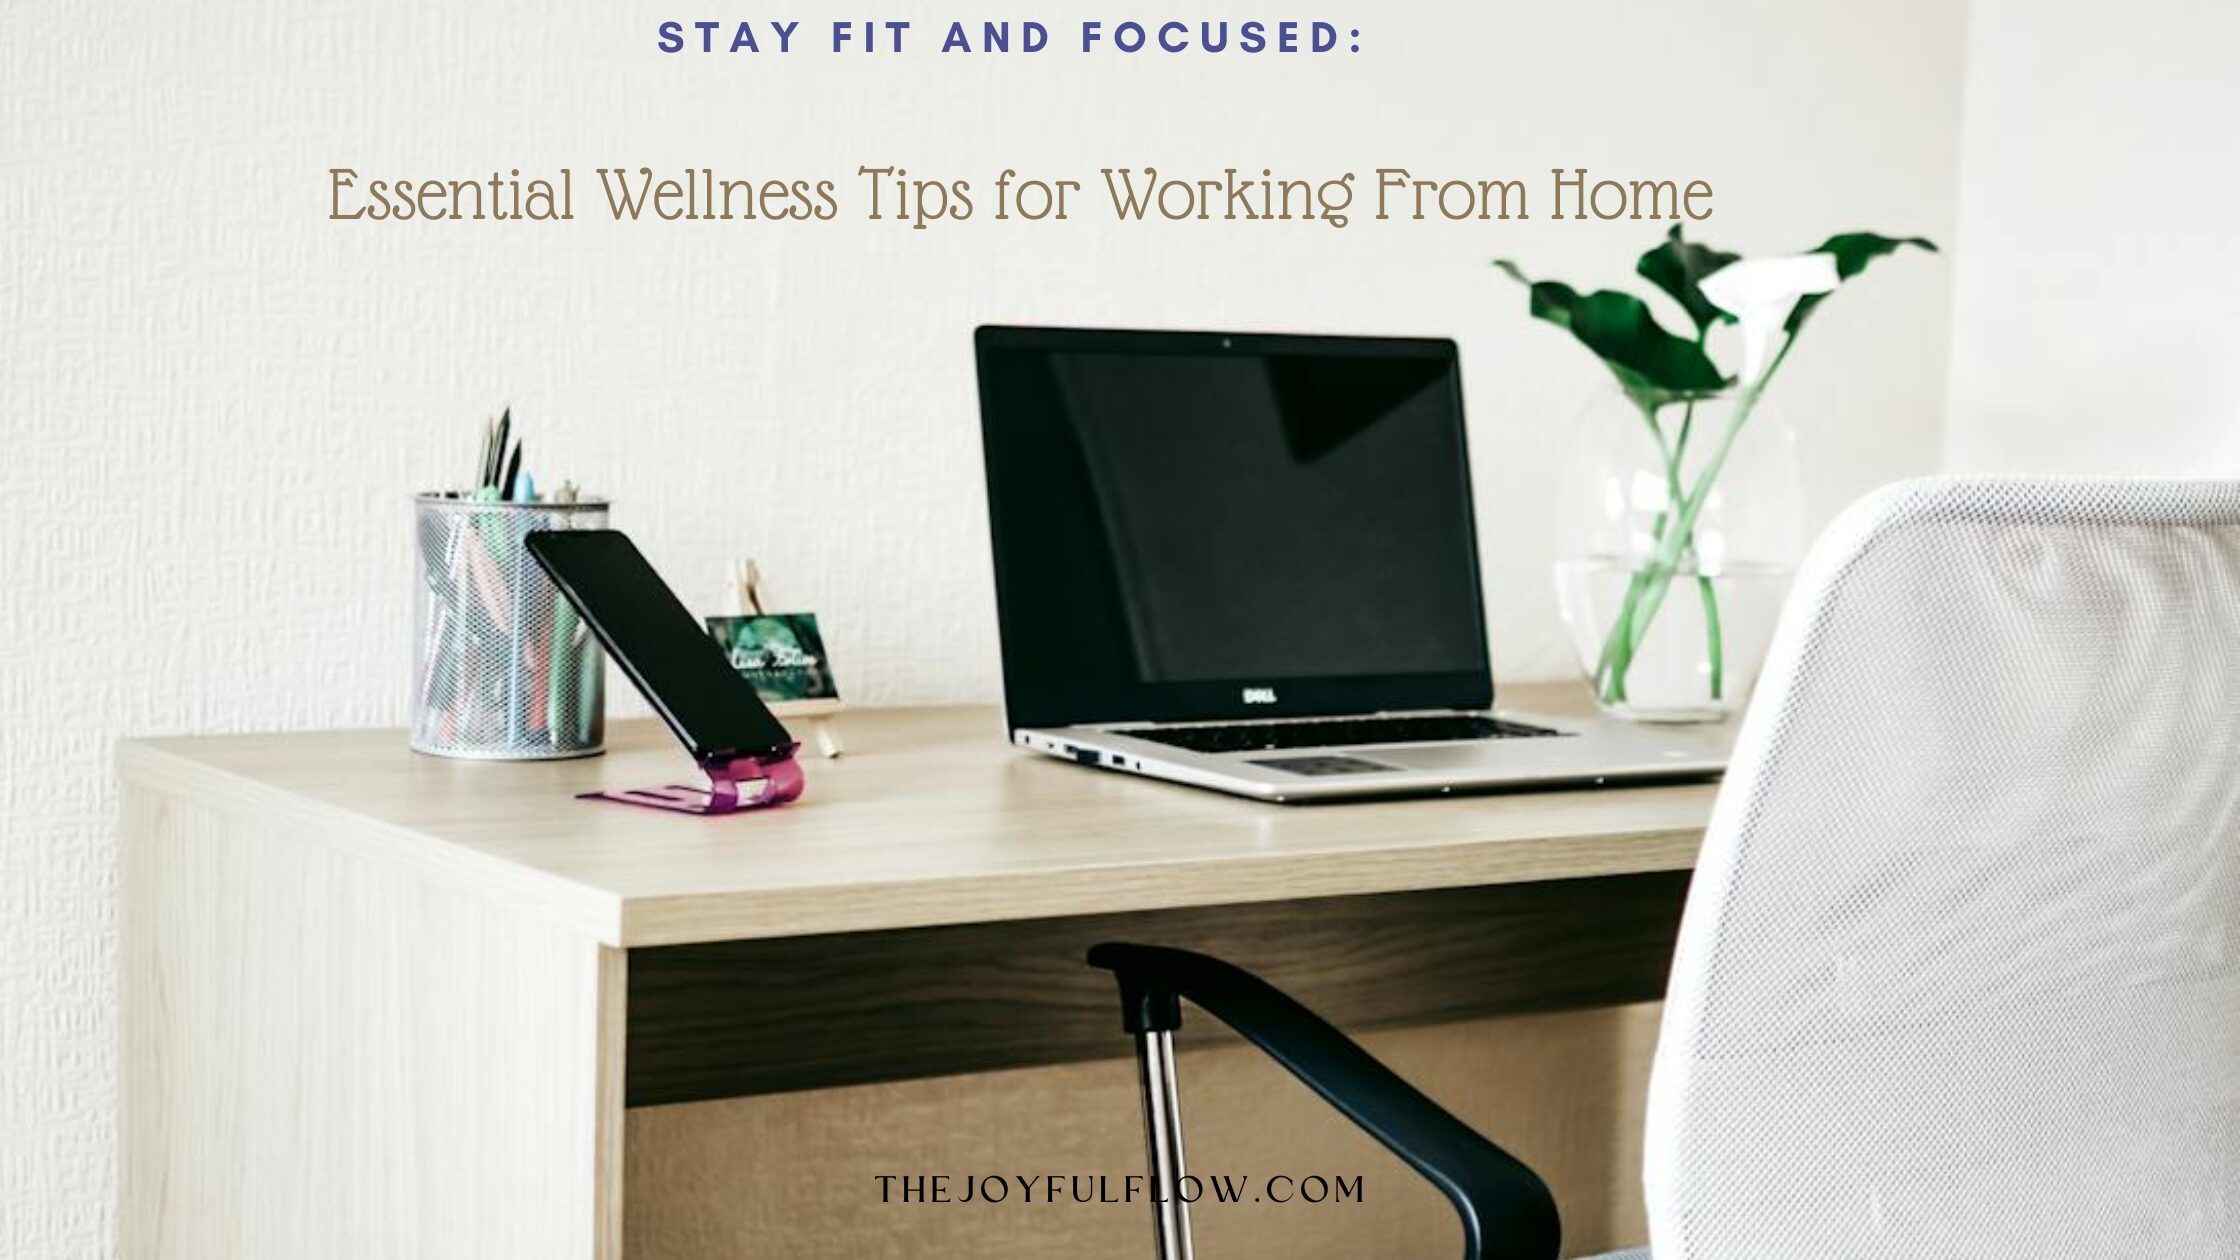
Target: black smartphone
658, 643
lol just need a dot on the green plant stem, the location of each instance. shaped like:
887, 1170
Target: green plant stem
1649, 584
1618, 645
1664, 564
1714, 647
1623, 642
1714, 639
1624, 639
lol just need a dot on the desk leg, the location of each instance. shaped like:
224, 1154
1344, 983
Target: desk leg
328, 1056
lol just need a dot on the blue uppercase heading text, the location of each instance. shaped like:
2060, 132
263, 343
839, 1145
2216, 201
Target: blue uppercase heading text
1251, 36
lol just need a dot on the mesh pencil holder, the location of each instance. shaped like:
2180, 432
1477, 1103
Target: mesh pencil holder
503, 668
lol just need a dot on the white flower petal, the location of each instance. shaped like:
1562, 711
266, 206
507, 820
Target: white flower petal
1760, 293
1741, 288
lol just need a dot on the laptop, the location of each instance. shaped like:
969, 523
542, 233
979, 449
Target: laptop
1249, 563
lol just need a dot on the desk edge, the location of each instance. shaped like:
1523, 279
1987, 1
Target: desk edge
581, 908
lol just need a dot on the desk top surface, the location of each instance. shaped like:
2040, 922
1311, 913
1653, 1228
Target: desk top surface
930, 818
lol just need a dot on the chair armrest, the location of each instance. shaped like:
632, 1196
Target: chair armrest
1507, 1212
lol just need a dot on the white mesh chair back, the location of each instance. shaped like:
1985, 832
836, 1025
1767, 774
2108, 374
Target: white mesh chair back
1959, 973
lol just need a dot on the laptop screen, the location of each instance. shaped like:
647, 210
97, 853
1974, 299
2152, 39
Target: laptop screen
1192, 525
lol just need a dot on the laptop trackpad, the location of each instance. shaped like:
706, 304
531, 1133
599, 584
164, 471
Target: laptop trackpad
1323, 765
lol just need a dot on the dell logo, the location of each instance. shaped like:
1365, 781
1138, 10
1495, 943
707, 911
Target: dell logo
1259, 695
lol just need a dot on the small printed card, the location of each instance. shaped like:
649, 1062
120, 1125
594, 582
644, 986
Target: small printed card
781, 654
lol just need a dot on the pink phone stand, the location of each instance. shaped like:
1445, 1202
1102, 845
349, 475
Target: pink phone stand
777, 774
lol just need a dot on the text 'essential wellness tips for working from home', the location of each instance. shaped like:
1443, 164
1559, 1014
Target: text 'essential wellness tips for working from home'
893, 193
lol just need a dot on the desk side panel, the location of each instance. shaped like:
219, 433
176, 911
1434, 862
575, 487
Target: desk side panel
327, 1056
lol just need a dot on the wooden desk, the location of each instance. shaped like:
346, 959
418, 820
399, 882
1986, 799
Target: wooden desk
383, 1004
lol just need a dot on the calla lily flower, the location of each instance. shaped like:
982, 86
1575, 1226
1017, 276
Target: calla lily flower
1760, 293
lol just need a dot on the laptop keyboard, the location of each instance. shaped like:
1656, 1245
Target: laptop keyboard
1436, 728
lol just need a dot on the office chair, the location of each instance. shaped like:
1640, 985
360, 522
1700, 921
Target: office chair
1959, 973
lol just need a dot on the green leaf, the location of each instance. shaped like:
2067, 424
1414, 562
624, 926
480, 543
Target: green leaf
1654, 367
1678, 267
1853, 251
1552, 300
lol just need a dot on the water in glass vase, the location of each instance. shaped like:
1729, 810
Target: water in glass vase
1695, 659
1677, 542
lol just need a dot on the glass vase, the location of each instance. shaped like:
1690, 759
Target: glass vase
1677, 539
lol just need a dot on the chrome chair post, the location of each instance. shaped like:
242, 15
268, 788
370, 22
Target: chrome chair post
1162, 1123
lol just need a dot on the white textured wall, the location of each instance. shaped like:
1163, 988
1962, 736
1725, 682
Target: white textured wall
2096, 316
215, 401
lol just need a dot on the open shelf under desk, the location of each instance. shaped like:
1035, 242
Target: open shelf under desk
752, 1017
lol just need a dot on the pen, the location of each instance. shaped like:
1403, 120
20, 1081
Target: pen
493, 461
